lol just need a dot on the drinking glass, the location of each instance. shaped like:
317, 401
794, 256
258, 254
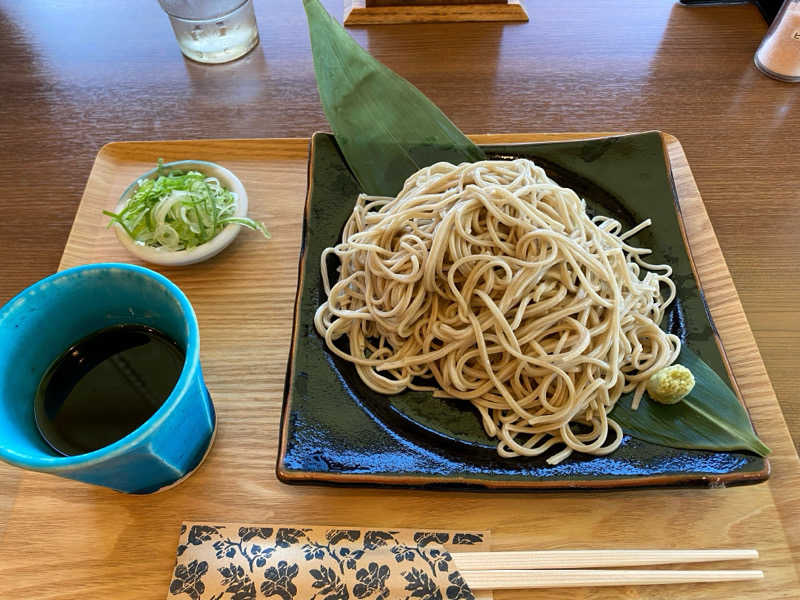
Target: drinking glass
213, 31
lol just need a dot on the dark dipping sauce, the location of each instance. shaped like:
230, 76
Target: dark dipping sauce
105, 386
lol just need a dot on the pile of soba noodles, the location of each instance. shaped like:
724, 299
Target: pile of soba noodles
491, 280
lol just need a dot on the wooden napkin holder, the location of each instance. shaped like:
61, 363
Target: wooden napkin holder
375, 12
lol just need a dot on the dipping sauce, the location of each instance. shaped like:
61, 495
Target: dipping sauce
105, 386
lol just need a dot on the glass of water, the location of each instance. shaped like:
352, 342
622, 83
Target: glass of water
213, 31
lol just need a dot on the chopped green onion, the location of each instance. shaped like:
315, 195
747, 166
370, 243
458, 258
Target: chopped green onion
179, 210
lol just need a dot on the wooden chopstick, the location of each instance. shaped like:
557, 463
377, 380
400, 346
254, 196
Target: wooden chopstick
519, 579
582, 559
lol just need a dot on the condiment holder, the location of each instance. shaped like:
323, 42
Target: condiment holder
778, 56
373, 12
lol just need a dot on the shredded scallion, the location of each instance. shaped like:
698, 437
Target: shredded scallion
179, 210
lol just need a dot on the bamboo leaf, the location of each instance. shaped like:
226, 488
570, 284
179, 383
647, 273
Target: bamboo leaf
386, 128
710, 417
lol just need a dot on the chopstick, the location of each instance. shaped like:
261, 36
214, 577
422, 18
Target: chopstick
576, 559
518, 579
568, 568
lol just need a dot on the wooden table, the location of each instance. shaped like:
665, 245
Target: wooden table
75, 80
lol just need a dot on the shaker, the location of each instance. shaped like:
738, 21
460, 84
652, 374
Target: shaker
778, 56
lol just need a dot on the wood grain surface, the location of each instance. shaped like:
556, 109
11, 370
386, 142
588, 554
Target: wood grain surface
115, 546
79, 74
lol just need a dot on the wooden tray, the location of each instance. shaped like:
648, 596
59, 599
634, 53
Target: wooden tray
63, 539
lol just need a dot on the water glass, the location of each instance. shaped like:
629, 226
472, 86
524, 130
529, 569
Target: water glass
213, 31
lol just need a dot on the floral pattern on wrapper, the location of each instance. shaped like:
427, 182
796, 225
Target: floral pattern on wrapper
230, 562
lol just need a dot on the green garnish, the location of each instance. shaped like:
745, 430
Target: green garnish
710, 417
671, 384
179, 210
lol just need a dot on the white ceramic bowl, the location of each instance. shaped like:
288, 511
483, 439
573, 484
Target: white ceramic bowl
174, 258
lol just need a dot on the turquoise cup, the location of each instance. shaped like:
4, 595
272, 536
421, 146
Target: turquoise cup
41, 322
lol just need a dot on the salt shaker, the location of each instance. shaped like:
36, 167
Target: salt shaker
779, 53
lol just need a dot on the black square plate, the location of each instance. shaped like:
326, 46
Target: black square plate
336, 430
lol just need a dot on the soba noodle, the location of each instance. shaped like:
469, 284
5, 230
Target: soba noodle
490, 280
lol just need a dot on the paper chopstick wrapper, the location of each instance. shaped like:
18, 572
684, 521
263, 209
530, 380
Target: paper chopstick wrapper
234, 561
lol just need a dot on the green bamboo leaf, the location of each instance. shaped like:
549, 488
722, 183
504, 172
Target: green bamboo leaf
386, 128
709, 418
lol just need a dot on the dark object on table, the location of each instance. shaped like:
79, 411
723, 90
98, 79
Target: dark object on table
768, 8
